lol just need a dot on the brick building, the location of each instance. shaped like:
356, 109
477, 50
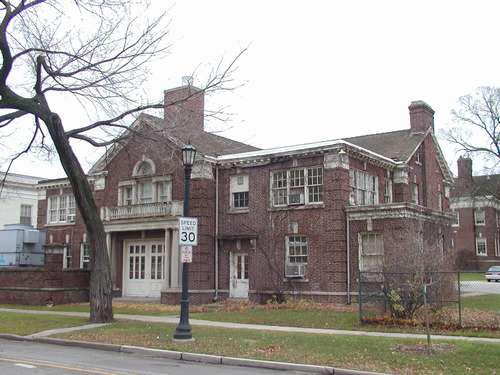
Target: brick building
298, 220
475, 201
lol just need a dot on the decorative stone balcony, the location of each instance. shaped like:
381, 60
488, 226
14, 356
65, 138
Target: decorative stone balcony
145, 210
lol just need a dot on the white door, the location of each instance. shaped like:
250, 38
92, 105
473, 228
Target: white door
238, 284
144, 271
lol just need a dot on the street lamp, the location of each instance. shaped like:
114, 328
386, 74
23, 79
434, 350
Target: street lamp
183, 330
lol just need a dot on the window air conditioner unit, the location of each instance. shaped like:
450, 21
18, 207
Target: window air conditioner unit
295, 270
296, 198
71, 218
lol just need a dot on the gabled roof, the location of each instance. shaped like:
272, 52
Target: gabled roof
206, 143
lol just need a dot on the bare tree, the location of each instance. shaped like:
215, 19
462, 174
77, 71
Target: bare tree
477, 129
46, 57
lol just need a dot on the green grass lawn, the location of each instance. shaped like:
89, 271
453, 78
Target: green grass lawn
27, 324
362, 353
488, 302
472, 276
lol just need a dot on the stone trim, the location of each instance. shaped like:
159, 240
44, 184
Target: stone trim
473, 202
28, 289
395, 210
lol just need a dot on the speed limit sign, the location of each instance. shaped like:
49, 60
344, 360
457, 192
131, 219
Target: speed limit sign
188, 231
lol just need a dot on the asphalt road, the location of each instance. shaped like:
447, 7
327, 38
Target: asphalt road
28, 358
483, 287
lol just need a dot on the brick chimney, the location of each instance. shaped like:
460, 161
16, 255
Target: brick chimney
184, 106
464, 165
421, 116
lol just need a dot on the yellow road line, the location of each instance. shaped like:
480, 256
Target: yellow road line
95, 371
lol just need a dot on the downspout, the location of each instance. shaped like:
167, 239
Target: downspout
216, 295
348, 242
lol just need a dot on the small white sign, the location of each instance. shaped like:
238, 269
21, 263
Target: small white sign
186, 254
188, 231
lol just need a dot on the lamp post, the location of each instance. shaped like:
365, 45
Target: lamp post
183, 330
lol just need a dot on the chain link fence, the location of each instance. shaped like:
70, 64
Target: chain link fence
441, 299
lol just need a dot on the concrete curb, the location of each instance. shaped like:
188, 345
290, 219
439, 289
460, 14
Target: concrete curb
192, 357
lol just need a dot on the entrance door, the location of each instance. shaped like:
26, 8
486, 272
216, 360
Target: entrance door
238, 287
144, 269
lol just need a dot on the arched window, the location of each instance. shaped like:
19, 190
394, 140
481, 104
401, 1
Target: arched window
144, 167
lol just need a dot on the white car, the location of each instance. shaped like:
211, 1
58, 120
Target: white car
493, 274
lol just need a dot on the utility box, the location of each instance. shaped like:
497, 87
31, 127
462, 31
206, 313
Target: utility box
21, 245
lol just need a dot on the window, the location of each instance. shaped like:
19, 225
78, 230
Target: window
146, 192
240, 200
498, 218
371, 252
85, 256
479, 217
144, 169
62, 209
25, 217
163, 191
455, 221
297, 186
388, 191
364, 188
497, 246
481, 249
440, 198
67, 256
414, 193
296, 250
127, 196
239, 195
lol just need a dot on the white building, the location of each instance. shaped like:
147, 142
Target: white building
18, 199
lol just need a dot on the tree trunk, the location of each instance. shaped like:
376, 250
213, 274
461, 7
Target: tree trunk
101, 309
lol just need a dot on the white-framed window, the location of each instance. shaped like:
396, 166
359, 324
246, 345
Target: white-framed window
481, 247
498, 218
297, 250
145, 192
455, 221
67, 256
479, 216
497, 245
371, 257
85, 256
127, 195
25, 216
364, 188
239, 192
414, 193
297, 186
297, 256
388, 191
61, 209
440, 198
163, 191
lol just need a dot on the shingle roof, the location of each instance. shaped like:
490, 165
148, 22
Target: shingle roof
205, 142
487, 185
396, 145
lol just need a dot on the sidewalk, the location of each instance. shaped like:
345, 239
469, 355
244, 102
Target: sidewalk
259, 327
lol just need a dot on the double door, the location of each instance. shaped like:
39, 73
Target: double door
144, 268
238, 269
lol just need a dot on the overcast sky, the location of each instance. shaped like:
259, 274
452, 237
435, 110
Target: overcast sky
318, 70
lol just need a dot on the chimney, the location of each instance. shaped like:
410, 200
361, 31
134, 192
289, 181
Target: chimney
464, 165
184, 106
421, 116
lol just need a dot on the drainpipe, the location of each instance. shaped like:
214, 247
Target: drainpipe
216, 295
348, 258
